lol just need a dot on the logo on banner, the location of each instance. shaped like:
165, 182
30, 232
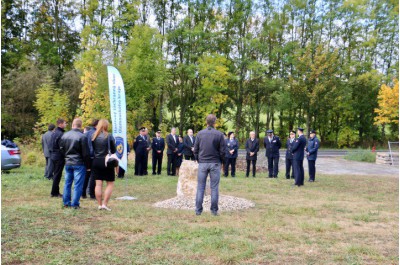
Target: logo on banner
119, 142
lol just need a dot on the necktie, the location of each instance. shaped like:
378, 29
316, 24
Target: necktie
191, 139
173, 136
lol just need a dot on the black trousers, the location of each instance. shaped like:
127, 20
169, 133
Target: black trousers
140, 164
121, 173
289, 166
92, 185
57, 174
171, 165
145, 163
189, 157
157, 162
254, 162
232, 163
273, 167
298, 172
86, 183
311, 169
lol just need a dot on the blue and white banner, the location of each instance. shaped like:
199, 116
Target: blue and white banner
118, 114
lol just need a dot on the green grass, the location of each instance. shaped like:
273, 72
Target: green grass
336, 220
363, 155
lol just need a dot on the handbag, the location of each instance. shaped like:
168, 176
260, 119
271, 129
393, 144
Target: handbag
111, 160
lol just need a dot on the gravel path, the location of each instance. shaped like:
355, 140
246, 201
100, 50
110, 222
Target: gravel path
226, 203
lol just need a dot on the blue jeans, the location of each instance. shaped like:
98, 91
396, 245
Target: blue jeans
74, 174
215, 173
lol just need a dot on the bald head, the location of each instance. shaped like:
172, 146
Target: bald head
77, 123
252, 135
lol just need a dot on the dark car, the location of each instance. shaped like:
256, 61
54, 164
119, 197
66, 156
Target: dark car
10, 157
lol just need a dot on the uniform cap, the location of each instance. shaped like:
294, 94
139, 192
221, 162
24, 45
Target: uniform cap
270, 131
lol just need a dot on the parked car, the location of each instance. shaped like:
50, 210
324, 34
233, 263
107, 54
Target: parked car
10, 157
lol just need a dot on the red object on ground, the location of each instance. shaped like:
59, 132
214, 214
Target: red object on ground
373, 149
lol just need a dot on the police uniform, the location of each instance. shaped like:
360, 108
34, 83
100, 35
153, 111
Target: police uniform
272, 147
289, 157
312, 150
298, 157
146, 159
158, 144
140, 148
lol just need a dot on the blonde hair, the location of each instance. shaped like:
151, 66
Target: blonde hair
102, 127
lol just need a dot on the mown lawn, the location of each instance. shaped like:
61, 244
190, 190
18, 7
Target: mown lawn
337, 220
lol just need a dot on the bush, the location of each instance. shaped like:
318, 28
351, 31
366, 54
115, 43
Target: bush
361, 155
31, 158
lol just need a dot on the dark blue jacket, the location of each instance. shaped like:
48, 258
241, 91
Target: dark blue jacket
252, 147
140, 146
89, 135
231, 145
289, 146
188, 145
158, 145
56, 153
298, 147
272, 149
312, 148
181, 147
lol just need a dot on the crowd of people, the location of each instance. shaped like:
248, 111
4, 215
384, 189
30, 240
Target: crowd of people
83, 154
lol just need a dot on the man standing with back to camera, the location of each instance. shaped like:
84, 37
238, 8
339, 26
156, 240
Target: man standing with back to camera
209, 151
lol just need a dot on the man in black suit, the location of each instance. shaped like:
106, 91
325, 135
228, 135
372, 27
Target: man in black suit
298, 157
57, 157
158, 147
140, 147
172, 144
289, 155
272, 145
188, 143
252, 148
146, 158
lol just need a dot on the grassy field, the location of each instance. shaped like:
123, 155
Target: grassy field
337, 220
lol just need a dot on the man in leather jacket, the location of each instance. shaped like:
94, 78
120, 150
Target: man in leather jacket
74, 146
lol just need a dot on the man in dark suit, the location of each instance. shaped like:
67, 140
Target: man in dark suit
289, 155
172, 144
146, 159
57, 157
252, 148
298, 157
158, 147
272, 145
46, 146
140, 147
188, 143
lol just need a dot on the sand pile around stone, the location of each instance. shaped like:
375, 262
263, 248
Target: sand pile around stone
186, 191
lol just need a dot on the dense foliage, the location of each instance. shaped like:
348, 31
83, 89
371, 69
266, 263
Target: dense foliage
256, 64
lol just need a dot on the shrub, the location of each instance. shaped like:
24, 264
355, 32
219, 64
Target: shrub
31, 158
361, 155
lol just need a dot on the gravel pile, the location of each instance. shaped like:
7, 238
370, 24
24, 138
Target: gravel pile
226, 203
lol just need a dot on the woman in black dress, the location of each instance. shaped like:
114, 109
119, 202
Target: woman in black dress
102, 143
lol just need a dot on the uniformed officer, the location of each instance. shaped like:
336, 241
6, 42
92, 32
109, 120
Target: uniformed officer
289, 154
140, 147
158, 147
188, 143
311, 152
252, 148
272, 145
298, 157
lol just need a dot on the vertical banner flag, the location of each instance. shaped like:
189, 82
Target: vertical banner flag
118, 114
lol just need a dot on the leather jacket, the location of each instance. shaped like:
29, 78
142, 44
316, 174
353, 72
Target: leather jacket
74, 146
100, 145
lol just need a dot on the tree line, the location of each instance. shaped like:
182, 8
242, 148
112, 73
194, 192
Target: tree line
326, 65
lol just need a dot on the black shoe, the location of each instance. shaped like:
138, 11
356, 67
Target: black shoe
197, 213
76, 207
254, 176
66, 206
225, 176
247, 176
270, 177
153, 173
310, 180
233, 176
57, 196
93, 198
215, 213
287, 177
159, 173
84, 197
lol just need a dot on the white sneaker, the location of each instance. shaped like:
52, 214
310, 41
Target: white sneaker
100, 208
106, 208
